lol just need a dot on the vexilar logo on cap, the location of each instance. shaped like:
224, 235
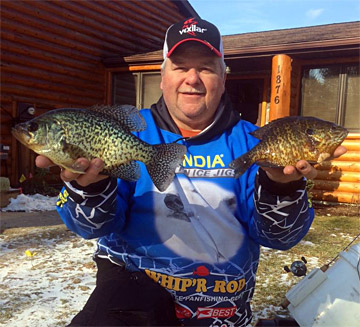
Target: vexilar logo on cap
190, 27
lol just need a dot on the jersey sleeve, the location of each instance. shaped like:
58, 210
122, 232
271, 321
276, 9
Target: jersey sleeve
282, 214
93, 211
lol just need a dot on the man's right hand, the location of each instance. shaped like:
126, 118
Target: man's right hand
91, 168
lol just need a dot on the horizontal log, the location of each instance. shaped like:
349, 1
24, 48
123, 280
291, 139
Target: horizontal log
336, 196
339, 165
160, 9
351, 144
75, 22
349, 156
34, 42
342, 176
51, 38
353, 136
60, 61
130, 18
34, 95
128, 21
63, 36
10, 68
338, 186
142, 16
38, 85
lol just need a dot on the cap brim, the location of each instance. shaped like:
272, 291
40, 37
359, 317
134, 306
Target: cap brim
212, 48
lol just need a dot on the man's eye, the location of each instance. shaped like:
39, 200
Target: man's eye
207, 69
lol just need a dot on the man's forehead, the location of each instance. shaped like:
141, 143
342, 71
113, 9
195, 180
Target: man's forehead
189, 59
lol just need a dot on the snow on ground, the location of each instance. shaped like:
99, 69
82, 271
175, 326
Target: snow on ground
29, 203
50, 284
46, 273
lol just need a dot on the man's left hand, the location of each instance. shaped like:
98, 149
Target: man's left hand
300, 170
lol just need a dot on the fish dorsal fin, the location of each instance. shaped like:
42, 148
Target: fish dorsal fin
125, 114
260, 132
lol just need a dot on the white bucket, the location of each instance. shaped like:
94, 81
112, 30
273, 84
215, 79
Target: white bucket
330, 298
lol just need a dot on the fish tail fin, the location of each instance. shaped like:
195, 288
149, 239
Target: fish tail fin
162, 166
242, 163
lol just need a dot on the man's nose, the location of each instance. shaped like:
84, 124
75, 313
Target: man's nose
192, 76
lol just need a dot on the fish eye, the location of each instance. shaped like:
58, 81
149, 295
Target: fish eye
33, 127
310, 131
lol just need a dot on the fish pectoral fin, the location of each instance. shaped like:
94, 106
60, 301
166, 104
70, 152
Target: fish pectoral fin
128, 171
73, 168
73, 151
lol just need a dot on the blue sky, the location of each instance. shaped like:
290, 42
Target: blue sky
243, 16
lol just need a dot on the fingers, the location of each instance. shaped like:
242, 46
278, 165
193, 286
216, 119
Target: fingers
300, 170
81, 164
93, 169
339, 151
304, 169
292, 173
43, 162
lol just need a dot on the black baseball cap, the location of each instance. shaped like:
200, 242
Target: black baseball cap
193, 29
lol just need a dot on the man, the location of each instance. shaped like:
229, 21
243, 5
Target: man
187, 255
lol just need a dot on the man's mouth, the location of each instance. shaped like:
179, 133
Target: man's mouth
192, 92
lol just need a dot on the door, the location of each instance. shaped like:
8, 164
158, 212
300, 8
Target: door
247, 97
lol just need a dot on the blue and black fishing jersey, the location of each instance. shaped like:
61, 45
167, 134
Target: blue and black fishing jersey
200, 238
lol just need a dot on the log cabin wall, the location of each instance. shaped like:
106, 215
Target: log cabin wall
339, 180
52, 53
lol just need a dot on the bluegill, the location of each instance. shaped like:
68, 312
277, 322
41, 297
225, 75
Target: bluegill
287, 140
64, 135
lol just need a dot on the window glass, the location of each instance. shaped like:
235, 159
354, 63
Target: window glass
124, 88
151, 91
320, 92
333, 93
352, 99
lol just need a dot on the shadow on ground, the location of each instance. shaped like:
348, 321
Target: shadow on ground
10, 220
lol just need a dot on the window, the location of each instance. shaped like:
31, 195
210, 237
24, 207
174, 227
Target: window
332, 93
140, 89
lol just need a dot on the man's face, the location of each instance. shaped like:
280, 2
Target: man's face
192, 84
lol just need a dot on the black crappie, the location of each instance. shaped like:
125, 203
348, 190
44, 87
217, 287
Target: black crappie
287, 140
64, 135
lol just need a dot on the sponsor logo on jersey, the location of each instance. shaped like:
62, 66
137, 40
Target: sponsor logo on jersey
205, 312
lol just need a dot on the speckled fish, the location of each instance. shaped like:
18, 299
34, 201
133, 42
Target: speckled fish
287, 140
64, 135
